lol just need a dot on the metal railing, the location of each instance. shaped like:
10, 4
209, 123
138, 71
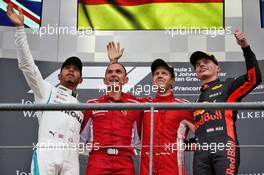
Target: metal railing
131, 106
135, 106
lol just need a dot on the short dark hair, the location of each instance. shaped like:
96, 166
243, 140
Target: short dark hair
161, 63
199, 54
119, 64
73, 61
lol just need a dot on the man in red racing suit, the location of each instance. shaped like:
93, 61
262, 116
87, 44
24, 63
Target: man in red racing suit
114, 132
170, 127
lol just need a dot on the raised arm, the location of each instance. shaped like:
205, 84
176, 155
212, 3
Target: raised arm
247, 82
114, 52
17, 20
25, 59
250, 58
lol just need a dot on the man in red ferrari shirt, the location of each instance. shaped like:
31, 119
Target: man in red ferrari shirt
113, 131
170, 126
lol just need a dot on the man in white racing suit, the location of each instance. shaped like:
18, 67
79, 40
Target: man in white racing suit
58, 133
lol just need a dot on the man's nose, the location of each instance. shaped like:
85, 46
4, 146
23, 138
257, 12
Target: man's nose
159, 76
114, 74
71, 69
201, 64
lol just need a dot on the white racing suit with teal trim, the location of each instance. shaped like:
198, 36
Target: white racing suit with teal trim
57, 129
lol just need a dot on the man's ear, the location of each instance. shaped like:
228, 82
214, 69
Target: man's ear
81, 80
218, 69
104, 81
126, 81
59, 77
173, 81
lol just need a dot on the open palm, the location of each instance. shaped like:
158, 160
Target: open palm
17, 20
114, 51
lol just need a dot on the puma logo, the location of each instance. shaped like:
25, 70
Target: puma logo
52, 133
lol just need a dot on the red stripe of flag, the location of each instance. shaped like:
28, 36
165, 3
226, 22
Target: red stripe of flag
142, 2
33, 18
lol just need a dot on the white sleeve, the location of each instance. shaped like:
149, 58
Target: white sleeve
27, 65
86, 134
135, 138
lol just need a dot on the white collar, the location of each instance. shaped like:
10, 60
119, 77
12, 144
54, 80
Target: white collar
69, 91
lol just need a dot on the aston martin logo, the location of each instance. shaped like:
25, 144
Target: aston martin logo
217, 87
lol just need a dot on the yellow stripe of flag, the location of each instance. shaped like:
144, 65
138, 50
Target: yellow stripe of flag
151, 16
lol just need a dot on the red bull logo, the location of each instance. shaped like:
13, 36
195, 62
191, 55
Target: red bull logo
198, 112
206, 117
231, 156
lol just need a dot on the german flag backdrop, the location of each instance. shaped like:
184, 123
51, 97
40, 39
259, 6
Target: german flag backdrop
150, 14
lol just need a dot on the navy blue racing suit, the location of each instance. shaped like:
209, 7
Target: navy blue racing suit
215, 129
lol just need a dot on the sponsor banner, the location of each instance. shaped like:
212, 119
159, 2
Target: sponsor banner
21, 128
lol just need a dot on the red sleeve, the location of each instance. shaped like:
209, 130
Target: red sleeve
188, 120
188, 115
139, 118
139, 114
86, 116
